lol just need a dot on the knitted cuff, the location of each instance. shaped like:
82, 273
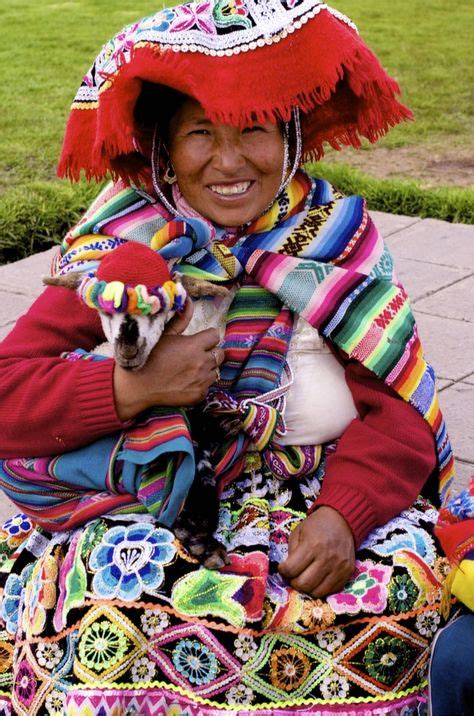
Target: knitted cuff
95, 398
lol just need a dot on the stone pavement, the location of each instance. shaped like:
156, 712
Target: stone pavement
435, 262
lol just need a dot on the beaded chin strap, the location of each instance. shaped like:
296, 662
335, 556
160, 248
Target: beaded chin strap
286, 175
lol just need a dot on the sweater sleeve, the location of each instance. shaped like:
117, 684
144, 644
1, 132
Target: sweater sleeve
382, 460
49, 405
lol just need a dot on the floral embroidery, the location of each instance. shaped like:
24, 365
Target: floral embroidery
154, 622
159, 22
102, 645
427, 623
240, 695
231, 12
17, 525
195, 661
40, 594
245, 647
143, 670
442, 568
366, 591
402, 593
386, 658
197, 15
25, 684
289, 668
5, 552
330, 639
55, 703
209, 592
10, 603
254, 566
317, 613
129, 561
49, 655
334, 686
6, 654
92, 535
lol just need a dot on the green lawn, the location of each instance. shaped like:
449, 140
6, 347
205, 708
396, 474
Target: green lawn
47, 47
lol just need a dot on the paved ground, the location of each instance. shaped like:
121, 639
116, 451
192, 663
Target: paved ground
435, 262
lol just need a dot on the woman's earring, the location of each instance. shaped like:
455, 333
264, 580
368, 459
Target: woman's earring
170, 175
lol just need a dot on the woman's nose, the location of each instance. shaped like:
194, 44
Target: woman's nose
228, 156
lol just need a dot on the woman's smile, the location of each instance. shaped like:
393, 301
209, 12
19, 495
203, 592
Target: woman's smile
235, 189
229, 175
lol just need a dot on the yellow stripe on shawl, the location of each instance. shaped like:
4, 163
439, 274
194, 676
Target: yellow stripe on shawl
414, 377
160, 238
296, 193
92, 254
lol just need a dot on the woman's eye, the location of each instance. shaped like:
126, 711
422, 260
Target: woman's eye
254, 128
199, 132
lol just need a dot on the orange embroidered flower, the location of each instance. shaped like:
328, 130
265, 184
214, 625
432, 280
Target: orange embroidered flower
6, 654
317, 613
289, 668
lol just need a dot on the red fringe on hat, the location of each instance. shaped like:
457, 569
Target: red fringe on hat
325, 68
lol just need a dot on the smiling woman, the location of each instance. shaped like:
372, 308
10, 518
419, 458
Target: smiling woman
228, 174
310, 402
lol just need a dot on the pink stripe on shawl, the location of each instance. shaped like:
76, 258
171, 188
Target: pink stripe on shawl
124, 224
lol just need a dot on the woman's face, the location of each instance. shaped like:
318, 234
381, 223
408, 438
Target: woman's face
226, 174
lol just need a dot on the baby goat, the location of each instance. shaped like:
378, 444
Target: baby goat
136, 296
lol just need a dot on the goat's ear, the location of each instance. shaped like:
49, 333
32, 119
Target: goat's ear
70, 280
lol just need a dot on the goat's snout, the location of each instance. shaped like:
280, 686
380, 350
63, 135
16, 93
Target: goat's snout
129, 332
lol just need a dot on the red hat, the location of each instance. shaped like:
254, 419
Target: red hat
133, 264
252, 62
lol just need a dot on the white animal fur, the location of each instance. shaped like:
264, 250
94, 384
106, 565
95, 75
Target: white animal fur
149, 329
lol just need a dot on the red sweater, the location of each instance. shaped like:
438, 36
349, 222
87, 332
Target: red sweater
50, 406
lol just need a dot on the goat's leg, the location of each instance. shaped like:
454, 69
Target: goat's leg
197, 287
198, 519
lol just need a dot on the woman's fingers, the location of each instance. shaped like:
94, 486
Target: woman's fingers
180, 321
321, 554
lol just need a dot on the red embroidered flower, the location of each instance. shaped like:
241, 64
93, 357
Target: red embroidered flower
253, 565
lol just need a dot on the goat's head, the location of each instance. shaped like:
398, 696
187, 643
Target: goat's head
135, 296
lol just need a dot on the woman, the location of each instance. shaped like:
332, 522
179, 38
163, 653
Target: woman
320, 375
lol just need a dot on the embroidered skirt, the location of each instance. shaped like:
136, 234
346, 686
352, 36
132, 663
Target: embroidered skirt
116, 618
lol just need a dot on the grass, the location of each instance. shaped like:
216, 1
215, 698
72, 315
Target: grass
48, 46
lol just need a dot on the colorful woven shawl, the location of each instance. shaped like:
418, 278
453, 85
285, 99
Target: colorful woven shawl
314, 253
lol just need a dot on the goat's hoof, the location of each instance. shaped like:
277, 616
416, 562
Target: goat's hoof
217, 559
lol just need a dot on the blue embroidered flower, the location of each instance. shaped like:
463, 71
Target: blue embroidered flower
19, 524
10, 603
159, 22
195, 661
129, 561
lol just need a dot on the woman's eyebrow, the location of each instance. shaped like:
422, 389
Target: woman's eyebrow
197, 120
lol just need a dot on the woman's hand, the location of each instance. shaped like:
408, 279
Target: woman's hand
178, 372
321, 554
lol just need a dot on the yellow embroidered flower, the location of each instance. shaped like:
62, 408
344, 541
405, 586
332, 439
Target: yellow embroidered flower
6, 653
40, 594
289, 668
317, 613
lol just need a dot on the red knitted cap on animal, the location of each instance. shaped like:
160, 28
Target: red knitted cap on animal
243, 62
133, 264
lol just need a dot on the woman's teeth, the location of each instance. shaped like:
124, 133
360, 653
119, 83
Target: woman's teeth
227, 189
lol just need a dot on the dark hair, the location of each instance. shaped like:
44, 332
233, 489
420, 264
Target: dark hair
155, 106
